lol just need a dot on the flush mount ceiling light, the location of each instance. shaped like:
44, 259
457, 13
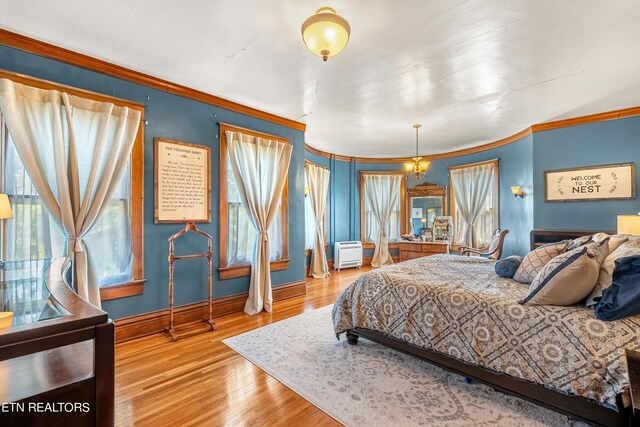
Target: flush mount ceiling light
418, 168
325, 33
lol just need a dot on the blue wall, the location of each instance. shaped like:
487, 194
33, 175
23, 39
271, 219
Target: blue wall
614, 141
515, 169
521, 163
183, 119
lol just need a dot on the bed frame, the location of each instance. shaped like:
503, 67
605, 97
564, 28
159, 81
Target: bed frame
575, 407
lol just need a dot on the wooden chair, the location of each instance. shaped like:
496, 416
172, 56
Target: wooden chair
493, 250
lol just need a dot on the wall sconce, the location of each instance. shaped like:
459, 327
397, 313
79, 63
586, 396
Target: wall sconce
516, 191
306, 191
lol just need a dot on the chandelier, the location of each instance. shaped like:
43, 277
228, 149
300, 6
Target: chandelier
325, 33
418, 168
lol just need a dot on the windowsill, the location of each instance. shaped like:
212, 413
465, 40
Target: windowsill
122, 290
245, 269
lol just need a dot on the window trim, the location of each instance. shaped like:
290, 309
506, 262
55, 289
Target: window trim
225, 271
136, 285
496, 188
402, 201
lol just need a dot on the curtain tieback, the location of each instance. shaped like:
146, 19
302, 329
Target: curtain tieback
75, 241
264, 235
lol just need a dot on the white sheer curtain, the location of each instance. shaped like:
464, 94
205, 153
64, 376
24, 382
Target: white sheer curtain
260, 168
309, 219
487, 220
382, 202
318, 188
33, 236
371, 227
242, 233
75, 151
471, 186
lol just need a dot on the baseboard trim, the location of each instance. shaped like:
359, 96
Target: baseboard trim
142, 325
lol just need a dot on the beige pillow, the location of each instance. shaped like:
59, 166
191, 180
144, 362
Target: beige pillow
605, 277
567, 279
614, 241
580, 241
536, 259
599, 237
602, 248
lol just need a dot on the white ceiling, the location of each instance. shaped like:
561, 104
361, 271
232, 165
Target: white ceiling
471, 71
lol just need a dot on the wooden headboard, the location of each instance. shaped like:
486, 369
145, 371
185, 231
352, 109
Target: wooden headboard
542, 237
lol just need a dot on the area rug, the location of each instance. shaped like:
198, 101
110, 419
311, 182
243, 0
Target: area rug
370, 385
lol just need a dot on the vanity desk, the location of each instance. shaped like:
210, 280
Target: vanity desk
425, 202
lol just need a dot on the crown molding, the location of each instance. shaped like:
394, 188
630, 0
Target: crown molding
592, 118
57, 53
540, 127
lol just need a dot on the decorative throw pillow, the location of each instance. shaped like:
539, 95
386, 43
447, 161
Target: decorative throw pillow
617, 240
602, 249
580, 241
536, 259
567, 279
630, 248
507, 267
614, 241
622, 298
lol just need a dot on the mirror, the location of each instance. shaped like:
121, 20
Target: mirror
424, 210
424, 203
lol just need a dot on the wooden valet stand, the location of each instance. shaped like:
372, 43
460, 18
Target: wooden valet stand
172, 258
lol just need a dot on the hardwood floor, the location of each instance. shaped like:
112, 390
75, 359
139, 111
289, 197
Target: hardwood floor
200, 381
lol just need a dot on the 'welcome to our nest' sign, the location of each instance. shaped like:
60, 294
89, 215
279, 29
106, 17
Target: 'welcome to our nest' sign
604, 182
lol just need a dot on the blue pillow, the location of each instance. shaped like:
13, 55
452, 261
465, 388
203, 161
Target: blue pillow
507, 267
622, 298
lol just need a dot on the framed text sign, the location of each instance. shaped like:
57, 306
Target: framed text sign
182, 181
605, 182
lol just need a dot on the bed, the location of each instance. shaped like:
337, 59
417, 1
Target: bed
457, 313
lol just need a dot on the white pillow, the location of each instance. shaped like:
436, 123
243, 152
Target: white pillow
598, 237
630, 248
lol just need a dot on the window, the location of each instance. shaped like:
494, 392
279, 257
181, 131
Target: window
488, 218
237, 235
369, 228
310, 221
115, 239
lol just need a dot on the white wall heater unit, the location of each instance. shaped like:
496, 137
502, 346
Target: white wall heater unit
347, 255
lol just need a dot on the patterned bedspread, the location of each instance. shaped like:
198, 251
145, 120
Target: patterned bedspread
459, 306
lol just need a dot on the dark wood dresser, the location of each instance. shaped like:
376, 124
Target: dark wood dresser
413, 250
